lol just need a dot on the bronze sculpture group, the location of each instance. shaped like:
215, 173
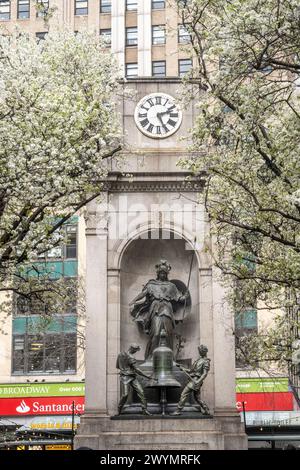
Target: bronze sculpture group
154, 309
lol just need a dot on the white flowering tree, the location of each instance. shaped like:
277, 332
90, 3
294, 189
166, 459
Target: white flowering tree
58, 130
247, 138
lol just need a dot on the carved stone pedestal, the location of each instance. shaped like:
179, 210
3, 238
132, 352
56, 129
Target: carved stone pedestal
182, 433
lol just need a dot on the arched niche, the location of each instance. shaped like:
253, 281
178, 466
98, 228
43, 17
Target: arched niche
138, 266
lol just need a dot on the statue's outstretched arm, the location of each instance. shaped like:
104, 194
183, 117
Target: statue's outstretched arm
140, 296
138, 371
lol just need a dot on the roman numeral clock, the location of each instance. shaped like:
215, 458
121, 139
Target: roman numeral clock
157, 115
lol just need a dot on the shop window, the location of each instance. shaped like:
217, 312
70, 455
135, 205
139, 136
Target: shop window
4, 9
18, 353
39, 350
35, 353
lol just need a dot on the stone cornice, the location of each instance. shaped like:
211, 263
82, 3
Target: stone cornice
153, 182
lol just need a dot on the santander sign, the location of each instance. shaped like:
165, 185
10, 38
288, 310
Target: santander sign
41, 406
22, 408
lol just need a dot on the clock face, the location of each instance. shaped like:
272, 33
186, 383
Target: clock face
157, 115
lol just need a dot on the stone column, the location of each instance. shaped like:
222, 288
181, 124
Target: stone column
118, 32
144, 38
94, 17
67, 18
96, 305
224, 350
206, 302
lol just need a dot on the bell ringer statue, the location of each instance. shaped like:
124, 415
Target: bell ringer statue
154, 307
129, 372
197, 375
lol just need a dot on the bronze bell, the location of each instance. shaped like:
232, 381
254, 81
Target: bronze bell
163, 365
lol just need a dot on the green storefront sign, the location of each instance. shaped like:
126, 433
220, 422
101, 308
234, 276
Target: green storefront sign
71, 389
264, 384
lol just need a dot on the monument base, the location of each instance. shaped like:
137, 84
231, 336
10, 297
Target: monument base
222, 432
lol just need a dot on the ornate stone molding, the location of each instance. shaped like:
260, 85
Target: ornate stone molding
174, 186
96, 222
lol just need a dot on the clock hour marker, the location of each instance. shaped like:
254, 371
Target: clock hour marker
151, 102
175, 115
142, 115
144, 106
171, 108
158, 130
171, 122
144, 122
150, 128
158, 99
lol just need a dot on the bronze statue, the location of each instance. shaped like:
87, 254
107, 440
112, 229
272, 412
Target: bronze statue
129, 372
160, 299
197, 375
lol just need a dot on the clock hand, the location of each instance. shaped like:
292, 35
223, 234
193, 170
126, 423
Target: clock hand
159, 118
164, 112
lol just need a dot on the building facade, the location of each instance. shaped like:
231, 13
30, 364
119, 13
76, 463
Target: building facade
114, 251
145, 36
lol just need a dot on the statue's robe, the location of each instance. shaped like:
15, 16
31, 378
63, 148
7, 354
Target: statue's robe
159, 312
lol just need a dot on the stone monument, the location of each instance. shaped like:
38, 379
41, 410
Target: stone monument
150, 213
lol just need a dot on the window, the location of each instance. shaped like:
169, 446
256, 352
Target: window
4, 9
131, 36
159, 68
65, 250
105, 6
23, 9
158, 5
81, 7
183, 35
245, 326
184, 66
41, 36
48, 350
246, 322
71, 242
42, 8
105, 34
131, 4
131, 70
158, 34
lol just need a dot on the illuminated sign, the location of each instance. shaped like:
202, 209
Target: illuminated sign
41, 406
264, 384
64, 389
58, 447
265, 401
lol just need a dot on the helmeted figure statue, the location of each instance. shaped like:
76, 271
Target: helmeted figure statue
160, 298
129, 372
196, 374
